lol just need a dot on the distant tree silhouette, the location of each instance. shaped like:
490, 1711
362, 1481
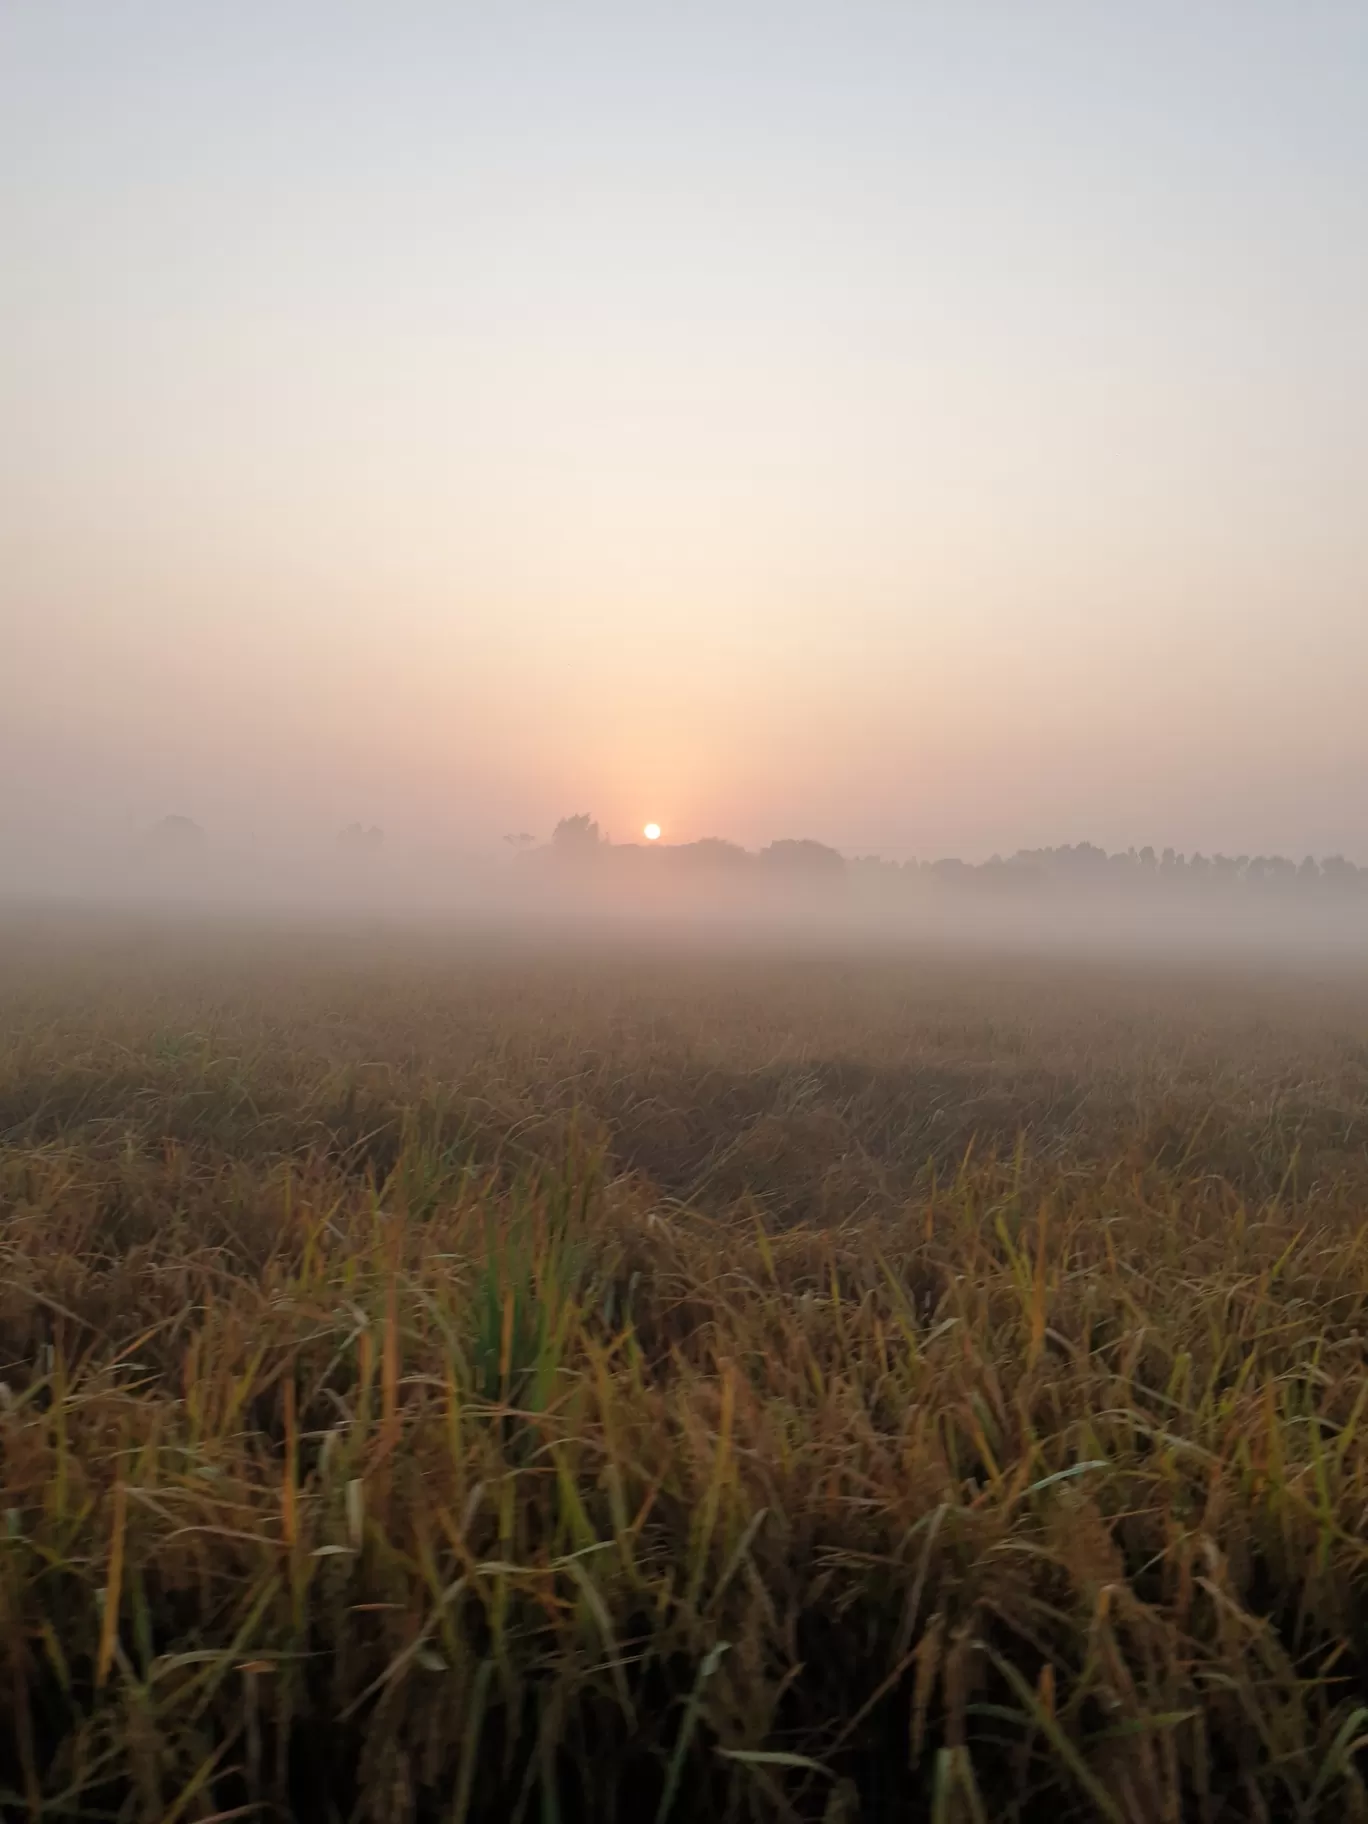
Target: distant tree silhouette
1081, 867
710, 852
1341, 873
804, 857
1268, 869
576, 835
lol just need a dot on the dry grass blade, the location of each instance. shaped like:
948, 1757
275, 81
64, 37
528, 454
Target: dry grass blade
385, 1432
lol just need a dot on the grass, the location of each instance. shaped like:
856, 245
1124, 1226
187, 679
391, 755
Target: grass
448, 1381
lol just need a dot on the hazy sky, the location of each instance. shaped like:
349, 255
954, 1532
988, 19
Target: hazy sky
930, 428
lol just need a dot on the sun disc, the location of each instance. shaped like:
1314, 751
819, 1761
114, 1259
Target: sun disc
652, 832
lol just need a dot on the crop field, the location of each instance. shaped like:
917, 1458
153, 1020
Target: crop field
451, 1378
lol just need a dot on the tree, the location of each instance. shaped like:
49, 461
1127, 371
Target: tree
804, 857
709, 852
578, 835
1341, 873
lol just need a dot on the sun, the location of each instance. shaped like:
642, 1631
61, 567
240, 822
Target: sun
652, 832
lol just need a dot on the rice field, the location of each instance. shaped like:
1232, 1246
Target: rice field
448, 1378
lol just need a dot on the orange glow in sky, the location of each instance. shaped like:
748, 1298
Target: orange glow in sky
958, 447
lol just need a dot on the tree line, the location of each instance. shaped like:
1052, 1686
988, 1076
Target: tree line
578, 840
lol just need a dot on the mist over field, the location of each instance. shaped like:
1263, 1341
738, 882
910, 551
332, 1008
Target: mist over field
1076, 899
446, 1363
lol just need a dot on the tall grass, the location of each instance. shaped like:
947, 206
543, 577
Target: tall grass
383, 1452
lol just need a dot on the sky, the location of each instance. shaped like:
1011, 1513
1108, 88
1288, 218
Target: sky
931, 429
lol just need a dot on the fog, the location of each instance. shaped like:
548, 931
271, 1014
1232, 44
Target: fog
958, 444
580, 888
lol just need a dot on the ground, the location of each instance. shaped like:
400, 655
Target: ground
446, 1377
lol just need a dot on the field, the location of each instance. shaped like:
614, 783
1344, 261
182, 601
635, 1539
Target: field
444, 1379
